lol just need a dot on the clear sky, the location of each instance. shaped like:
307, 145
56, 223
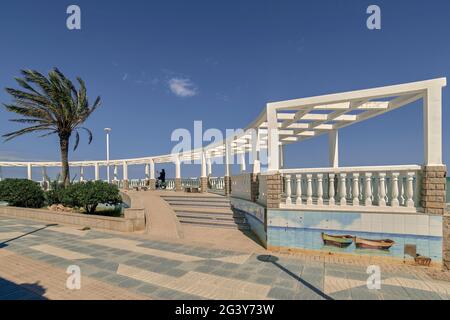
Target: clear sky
160, 65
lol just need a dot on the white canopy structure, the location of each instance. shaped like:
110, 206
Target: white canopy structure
292, 121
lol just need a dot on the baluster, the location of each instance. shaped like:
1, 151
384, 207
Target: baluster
382, 190
320, 189
355, 189
298, 191
401, 190
288, 190
331, 191
410, 190
394, 191
368, 189
309, 190
343, 189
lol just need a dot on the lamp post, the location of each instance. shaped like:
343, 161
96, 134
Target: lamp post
107, 131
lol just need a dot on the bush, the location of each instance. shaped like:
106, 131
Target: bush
22, 193
89, 195
55, 194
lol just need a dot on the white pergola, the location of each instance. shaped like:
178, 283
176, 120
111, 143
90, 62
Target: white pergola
293, 121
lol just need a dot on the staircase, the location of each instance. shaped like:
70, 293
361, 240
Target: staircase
206, 210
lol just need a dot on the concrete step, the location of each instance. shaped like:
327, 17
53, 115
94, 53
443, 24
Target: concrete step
203, 200
213, 217
208, 223
198, 204
219, 210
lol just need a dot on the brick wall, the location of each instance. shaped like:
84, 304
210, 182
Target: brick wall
274, 191
433, 189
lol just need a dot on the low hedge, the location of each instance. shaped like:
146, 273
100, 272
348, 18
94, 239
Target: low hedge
22, 193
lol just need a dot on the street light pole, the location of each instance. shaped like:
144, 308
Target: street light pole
107, 131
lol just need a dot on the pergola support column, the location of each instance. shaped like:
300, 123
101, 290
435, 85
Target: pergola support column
126, 183
29, 172
97, 171
152, 180
204, 175
333, 147
178, 184
227, 177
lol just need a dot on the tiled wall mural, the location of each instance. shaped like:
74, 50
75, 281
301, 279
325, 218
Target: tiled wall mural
359, 233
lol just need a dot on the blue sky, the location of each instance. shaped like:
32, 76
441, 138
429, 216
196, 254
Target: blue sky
160, 65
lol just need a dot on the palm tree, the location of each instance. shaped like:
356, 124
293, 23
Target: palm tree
54, 106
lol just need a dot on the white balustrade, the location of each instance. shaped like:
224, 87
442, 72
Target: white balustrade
360, 188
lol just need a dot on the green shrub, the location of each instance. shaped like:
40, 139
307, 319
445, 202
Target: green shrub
89, 195
55, 194
22, 193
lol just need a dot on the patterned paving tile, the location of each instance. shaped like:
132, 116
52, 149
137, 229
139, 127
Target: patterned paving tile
200, 284
62, 253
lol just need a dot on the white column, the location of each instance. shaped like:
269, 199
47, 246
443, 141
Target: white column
81, 174
368, 189
97, 171
331, 190
273, 142
355, 189
309, 190
320, 189
394, 189
242, 162
116, 173
44, 174
177, 168
1, 174
343, 189
382, 190
204, 173
256, 148
147, 171
29, 171
281, 157
125, 170
432, 117
288, 190
152, 169
298, 191
333, 147
227, 159
209, 167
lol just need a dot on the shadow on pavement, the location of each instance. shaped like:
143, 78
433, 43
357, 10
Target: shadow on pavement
25, 291
4, 244
274, 261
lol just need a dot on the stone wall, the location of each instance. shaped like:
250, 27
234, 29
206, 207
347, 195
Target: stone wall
204, 184
434, 189
178, 185
446, 240
227, 185
274, 191
134, 219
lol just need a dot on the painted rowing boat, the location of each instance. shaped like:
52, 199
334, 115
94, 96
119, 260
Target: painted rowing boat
384, 244
340, 241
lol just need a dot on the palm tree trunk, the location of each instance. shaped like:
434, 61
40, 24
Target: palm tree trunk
65, 173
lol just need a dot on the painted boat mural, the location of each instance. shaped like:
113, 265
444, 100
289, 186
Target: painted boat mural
341, 241
384, 244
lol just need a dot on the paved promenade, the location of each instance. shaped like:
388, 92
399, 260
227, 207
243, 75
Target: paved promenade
34, 258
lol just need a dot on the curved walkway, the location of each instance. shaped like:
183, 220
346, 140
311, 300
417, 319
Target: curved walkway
163, 224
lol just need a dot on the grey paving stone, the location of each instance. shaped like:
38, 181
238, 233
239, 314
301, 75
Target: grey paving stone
281, 293
129, 283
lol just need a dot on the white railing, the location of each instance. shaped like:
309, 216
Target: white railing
190, 183
262, 191
170, 184
216, 183
393, 188
241, 186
